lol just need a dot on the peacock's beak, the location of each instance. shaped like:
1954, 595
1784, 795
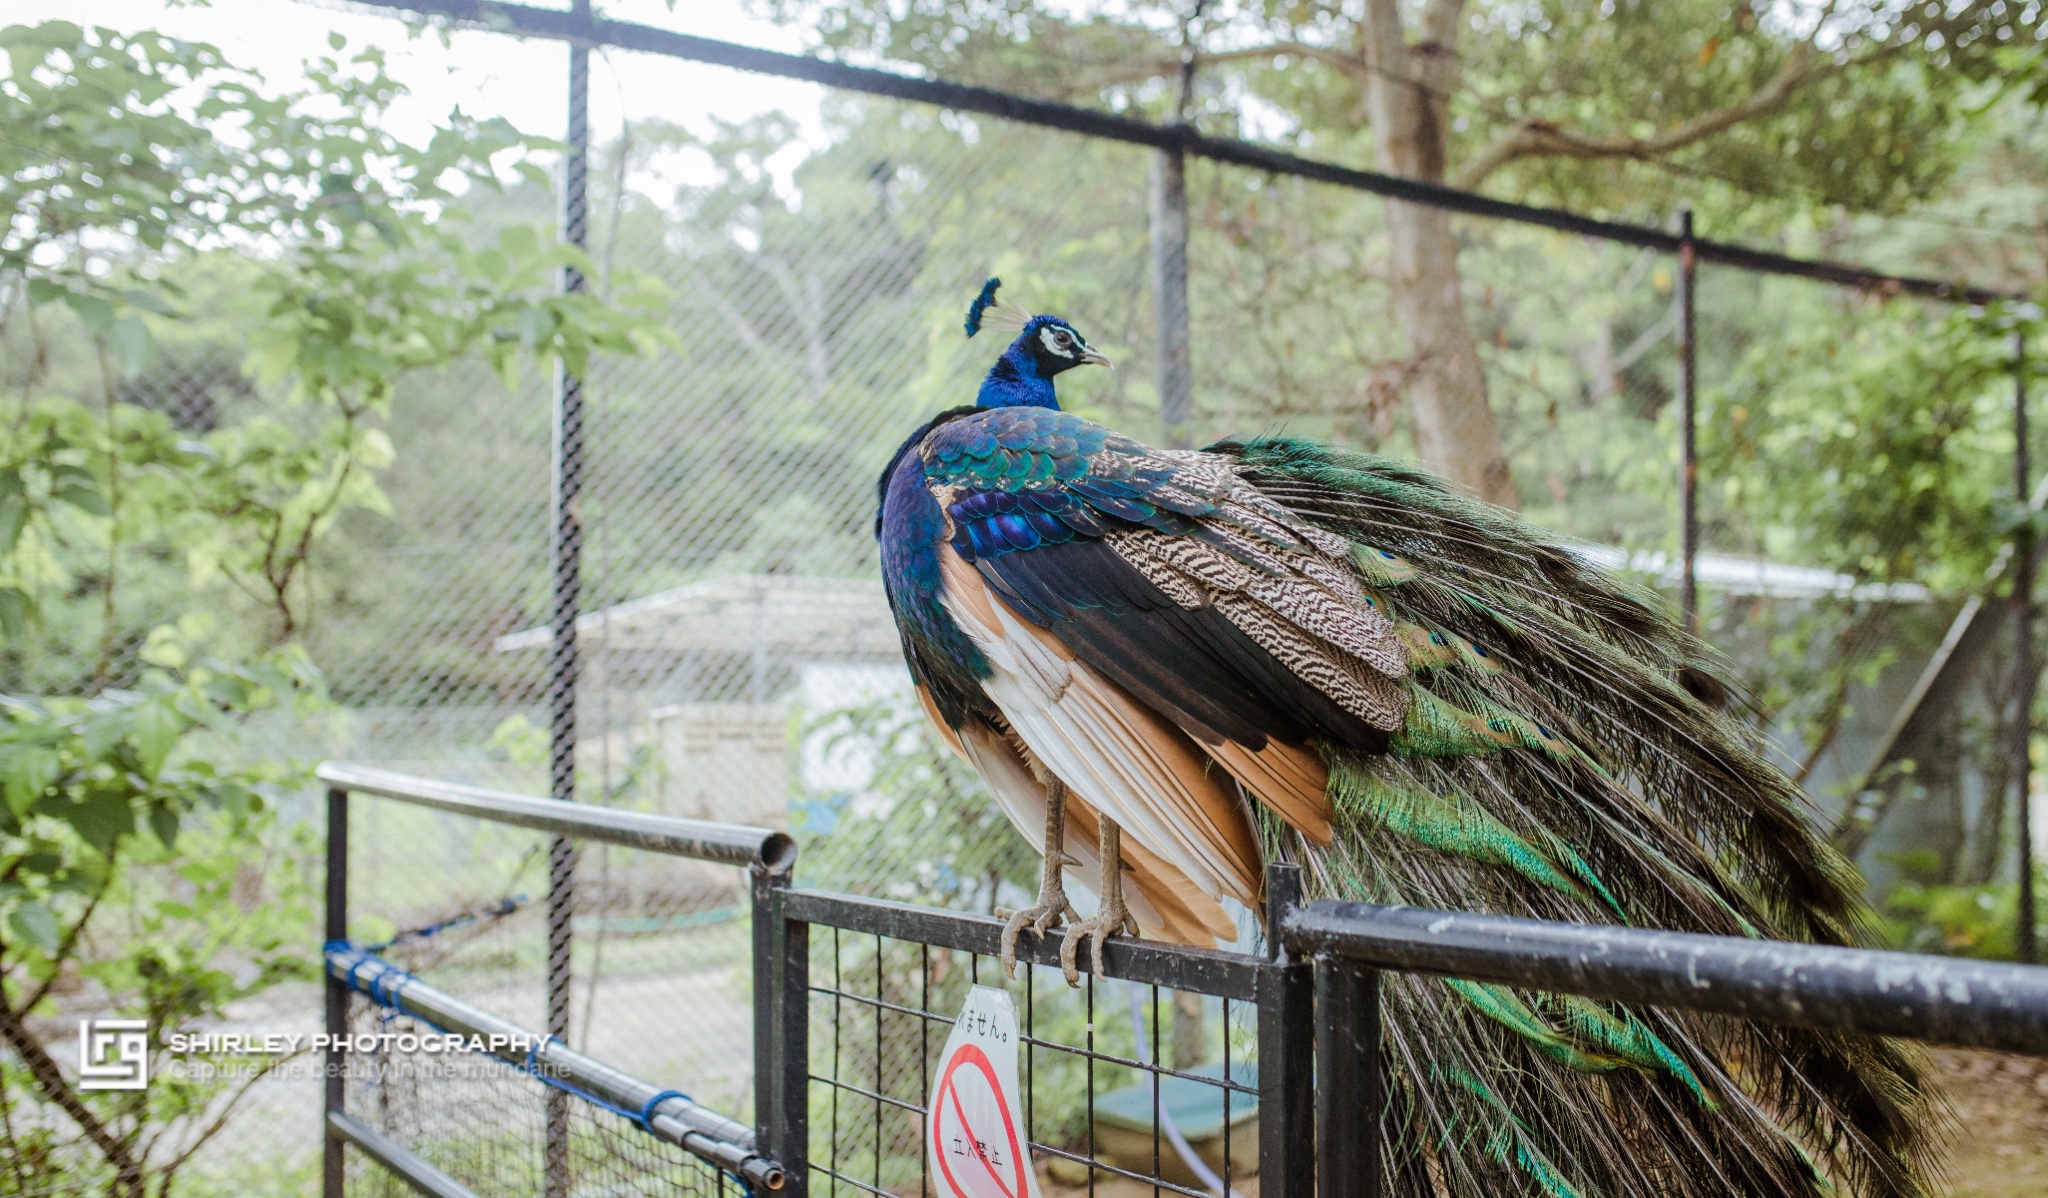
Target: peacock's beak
1095, 357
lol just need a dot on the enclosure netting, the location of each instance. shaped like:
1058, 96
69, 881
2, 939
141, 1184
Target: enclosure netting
483, 1122
739, 660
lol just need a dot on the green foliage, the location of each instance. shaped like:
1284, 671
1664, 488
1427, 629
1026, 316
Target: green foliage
1967, 921
1794, 108
166, 209
1877, 450
140, 868
377, 279
924, 827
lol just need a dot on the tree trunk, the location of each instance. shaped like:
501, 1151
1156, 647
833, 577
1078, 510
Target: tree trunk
1406, 88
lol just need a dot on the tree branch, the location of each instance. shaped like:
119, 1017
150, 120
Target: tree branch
69, 942
220, 1119
1349, 63
1534, 136
49, 1079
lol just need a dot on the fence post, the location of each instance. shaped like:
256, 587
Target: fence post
567, 555
1286, 994
1173, 371
333, 1174
1350, 1094
2024, 565
782, 1032
1688, 430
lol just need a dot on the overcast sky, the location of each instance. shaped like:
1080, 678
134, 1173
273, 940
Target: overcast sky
487, 74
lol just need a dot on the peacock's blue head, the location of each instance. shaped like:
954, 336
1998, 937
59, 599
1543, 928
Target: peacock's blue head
1045, 346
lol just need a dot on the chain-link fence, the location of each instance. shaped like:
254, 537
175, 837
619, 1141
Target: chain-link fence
739, 662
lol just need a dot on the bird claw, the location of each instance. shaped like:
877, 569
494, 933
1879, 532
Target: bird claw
1096, 930
1051, 911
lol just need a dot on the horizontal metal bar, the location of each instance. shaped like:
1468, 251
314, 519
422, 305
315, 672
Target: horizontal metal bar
396, 1157
1942, 1000
526, 21
1054, 1045
704, 1133
868, 1094
1201, 970
1110, 1058
705, 840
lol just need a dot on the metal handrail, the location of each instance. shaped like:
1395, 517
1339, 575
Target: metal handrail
666, 1114
1941, 1000
704, 840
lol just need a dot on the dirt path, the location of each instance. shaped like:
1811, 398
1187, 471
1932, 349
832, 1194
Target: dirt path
2001, 1108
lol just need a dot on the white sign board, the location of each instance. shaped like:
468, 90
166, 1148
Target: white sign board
978, 1144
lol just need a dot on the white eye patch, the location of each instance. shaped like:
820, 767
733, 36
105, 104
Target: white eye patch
1050, 338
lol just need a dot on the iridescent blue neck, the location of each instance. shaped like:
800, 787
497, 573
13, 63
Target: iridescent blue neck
1015, 382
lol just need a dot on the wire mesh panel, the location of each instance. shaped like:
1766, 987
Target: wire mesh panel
675, 1007
1122, 1084
481, 1121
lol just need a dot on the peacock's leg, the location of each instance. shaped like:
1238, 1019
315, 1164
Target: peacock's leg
1052, 908
1111, 916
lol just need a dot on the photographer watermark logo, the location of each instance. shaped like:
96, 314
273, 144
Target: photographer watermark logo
113, 1054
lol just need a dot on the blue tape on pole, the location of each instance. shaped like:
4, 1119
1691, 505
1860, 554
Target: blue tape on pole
646, 1116
393, 998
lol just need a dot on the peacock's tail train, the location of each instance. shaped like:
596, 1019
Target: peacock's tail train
1559, 758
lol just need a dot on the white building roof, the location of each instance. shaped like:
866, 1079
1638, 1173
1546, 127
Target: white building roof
787, 615
791, 615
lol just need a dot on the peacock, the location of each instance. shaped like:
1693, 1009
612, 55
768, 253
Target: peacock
1172, 666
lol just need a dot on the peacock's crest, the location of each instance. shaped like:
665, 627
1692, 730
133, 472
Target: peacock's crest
988, 311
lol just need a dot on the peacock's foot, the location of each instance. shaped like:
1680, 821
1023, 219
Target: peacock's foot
1109, 919
1095, 929
1052, 910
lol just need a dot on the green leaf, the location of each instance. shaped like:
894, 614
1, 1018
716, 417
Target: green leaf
13, 518
36, 924
95, 313
164, 822
29, 771
148, 301
157, 729
84, 497
104, 730
101, 817
14, 609
132, 344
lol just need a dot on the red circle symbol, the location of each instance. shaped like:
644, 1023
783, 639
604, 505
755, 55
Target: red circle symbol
973, 1128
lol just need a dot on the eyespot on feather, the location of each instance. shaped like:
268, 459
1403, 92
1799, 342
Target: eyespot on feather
1380, 566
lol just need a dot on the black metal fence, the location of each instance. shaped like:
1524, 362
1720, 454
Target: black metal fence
849, 994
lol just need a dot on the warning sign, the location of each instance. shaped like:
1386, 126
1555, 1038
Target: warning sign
978, 1146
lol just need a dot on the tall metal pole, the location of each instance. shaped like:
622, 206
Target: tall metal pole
567, 547
1173, 371
1688, 433
333, 1169
2023, 630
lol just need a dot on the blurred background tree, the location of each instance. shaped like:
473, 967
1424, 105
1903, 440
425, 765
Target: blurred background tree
1755, 114
152, 554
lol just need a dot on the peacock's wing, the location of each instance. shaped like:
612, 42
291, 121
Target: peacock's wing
1074, 558
1556, 760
